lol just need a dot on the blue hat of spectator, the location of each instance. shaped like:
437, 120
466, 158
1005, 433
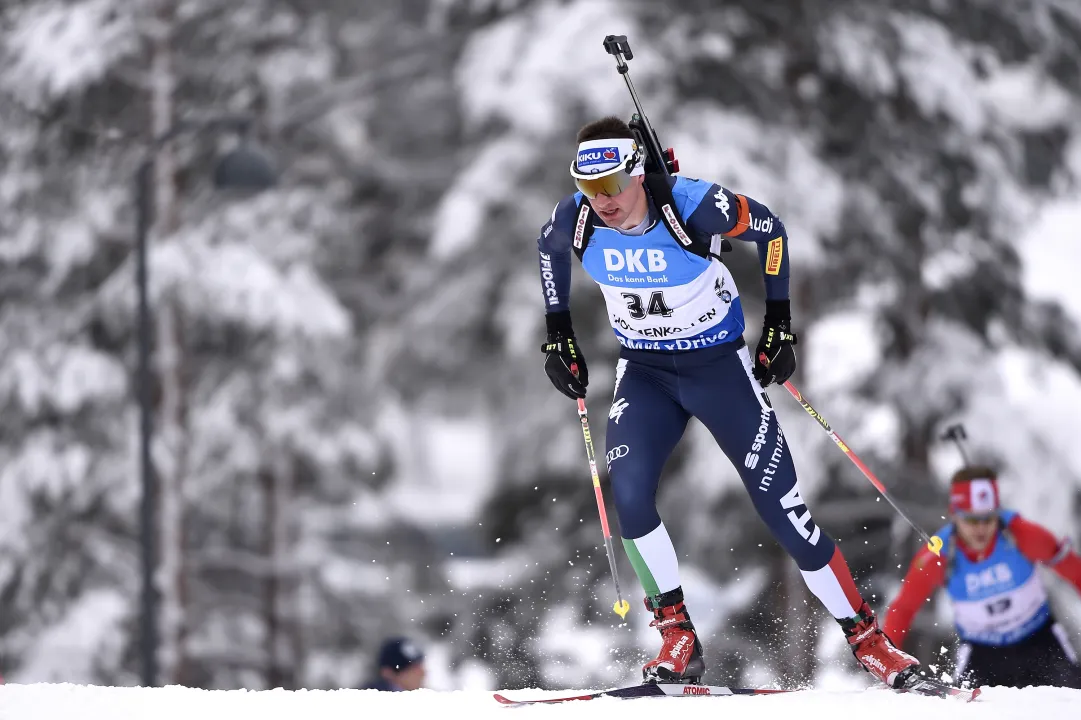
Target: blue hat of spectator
399, 653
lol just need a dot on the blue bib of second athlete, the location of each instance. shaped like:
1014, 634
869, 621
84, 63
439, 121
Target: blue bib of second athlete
660, 296
998, 600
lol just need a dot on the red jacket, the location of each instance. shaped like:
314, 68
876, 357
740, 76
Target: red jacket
928, 571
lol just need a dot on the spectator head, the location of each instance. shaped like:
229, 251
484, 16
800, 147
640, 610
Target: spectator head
401, 661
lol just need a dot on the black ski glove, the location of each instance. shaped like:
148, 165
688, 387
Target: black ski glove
774, 359
561, 353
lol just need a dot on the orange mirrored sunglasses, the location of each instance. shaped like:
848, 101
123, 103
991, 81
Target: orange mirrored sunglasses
609, 185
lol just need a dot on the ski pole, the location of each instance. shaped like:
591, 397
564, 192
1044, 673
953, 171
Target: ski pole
621, 607
957, 434
934, 542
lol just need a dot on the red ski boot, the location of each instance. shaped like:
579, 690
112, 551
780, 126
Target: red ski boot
680, 658
875, 652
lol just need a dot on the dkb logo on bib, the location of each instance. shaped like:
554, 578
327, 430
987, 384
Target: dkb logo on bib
631, 260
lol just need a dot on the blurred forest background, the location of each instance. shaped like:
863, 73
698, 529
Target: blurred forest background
353, 431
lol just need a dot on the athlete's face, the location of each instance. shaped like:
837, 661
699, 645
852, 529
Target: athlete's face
976, 532
624, 210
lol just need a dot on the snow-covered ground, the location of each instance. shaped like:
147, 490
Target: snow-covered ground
63, 702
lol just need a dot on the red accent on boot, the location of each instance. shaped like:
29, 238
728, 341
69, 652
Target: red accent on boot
875, 652
678, 642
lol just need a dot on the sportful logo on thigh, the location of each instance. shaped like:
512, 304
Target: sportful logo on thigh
751, 461
617, 410
774, 459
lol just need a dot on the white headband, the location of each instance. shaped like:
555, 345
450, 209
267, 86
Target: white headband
597, 158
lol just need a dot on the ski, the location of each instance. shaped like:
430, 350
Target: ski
647, 690
934, 688
928, 688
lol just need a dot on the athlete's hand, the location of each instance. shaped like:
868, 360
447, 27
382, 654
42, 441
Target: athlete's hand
774, 359
564, 363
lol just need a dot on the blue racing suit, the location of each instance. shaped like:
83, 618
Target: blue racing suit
679, 320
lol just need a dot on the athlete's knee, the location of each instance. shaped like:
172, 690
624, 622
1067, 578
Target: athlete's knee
805, 542
636, 522
635, 497
637, 512
782, 507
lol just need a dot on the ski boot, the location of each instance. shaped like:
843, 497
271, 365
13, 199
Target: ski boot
875, 652
680, 659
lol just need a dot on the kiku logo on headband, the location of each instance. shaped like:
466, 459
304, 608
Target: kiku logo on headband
598, 156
